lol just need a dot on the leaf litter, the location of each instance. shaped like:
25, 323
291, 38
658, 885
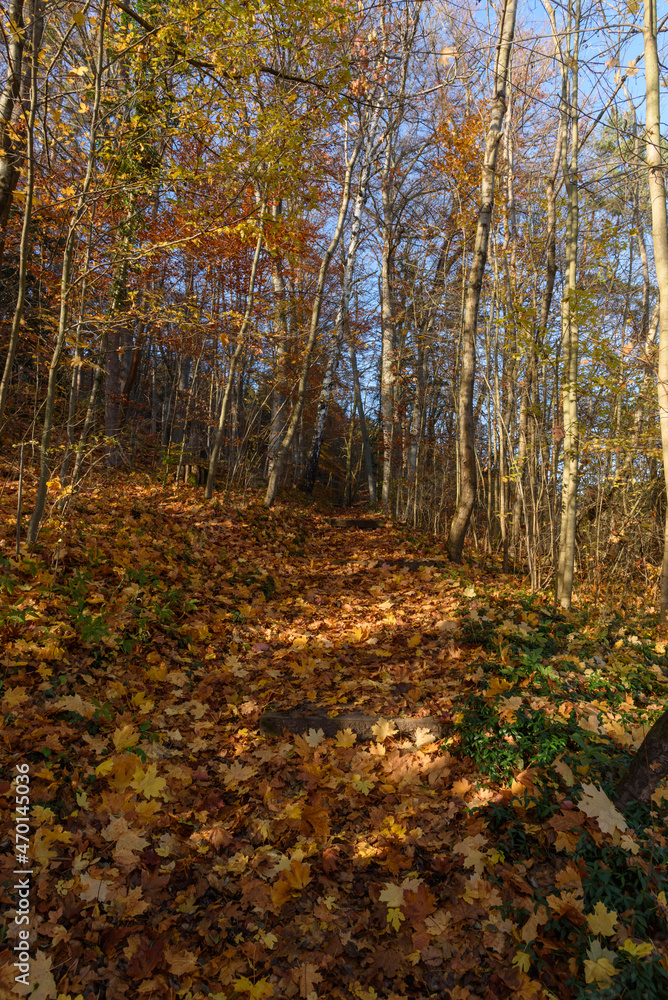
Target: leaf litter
179, 851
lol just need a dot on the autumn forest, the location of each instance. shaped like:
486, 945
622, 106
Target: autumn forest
333, 521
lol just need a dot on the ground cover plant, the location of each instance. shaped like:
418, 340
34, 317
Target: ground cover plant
177, 851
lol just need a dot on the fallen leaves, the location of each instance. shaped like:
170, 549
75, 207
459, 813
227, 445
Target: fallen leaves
173, 841
595, 803
383, 729
602, 921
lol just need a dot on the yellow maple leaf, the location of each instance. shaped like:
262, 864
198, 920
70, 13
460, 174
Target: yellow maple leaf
125, 769
602, 921
345, 738
256, 991
601, 971
567, 903
104, 768
437, 923
393, 895
522, 961
598, 964
126, 736
638, 950
309, 977
470, 848
660, 794
423, 736
414, 641
44, 845
75, 703
93, 888
595, 803
496, 686
42, 816
13, 697
383, 728
149, 783
508, 707
395, 917
530, 928
237, 772
564, 772
41, 977
298, 875
363, 785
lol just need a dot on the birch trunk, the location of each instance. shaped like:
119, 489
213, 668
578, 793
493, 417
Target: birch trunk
279, 392
364, 431
657, 193
569, 318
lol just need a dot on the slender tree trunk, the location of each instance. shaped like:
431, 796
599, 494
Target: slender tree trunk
234, 360
186, 417
279, 392
76, 366
7, 184
90, 412
657, 193
10, 155
569, 321
295, 416
68, 253
388, 360
467, 462
311, 471
364, 431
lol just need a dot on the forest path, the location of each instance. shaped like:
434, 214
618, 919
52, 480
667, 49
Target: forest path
176, 850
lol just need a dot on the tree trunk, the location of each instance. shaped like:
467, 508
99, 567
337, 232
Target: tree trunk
648, 767
68, 253
366, 443
467, 465
657, 192
295, 416
7, 184
311, 471
280, 390
234, 360
569, 309
10, 155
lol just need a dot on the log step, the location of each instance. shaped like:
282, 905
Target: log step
275, 723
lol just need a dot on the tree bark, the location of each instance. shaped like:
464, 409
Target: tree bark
234, 360
295, 416
280, 390
9, 167
657, 193
569, 326
648, 767
467, 461
68, 254
311, 471
364, 431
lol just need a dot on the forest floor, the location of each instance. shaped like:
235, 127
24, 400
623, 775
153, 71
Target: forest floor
178, 852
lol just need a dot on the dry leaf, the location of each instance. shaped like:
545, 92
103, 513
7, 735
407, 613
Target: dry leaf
596, 804
383, 728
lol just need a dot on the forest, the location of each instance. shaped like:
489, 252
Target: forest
333, 520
